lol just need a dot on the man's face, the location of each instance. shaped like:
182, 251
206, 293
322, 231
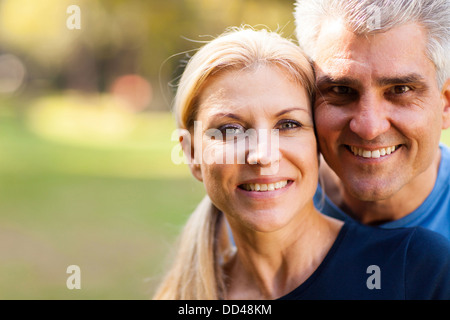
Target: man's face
379, 111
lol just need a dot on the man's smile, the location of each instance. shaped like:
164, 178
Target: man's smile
373, 153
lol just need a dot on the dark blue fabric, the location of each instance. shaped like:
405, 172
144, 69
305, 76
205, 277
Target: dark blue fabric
414, 263
433, 213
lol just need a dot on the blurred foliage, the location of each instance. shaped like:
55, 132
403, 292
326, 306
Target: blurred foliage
120, 37
86, 175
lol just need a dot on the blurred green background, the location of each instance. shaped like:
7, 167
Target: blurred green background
86, 176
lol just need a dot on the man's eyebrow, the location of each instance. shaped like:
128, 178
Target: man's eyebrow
342, 81
406, 79
382, 81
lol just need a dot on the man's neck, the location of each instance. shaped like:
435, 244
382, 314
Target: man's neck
402, 203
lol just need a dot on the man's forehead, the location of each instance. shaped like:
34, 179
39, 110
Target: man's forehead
337, 41
399, 51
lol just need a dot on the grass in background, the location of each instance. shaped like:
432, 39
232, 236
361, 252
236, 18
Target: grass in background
64, 204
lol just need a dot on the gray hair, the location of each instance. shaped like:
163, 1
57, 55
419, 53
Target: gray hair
371, 16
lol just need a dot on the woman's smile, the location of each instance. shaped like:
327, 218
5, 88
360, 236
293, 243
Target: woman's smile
263, 189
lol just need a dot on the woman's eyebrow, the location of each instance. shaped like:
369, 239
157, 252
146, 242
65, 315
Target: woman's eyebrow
226, 115
290, 110
236, 117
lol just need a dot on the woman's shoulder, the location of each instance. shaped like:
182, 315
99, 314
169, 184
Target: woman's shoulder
431, 241
412, 247
420, 256
413, 239
428, 247
427, 274
417, 238
378, 236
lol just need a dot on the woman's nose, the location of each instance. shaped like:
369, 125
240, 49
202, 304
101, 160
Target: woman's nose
264, 148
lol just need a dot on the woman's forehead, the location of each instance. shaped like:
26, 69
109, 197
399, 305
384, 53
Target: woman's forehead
241, 90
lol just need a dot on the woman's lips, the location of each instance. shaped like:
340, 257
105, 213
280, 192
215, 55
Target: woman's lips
265, 187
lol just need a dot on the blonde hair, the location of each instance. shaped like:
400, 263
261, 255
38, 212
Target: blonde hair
204, 246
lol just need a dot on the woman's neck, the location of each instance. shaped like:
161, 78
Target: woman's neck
270, 265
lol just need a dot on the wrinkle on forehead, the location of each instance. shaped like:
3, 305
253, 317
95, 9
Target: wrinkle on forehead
341, 52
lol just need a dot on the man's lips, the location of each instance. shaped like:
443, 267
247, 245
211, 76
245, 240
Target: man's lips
373, 153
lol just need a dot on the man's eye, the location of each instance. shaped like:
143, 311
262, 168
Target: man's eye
399, 89
342, 90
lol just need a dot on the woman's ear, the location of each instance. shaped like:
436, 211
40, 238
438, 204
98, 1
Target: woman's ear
445, 94
188, 149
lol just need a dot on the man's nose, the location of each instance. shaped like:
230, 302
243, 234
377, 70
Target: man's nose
370, 118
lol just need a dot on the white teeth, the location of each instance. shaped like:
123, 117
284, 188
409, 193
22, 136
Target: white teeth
372, 154
367, 154
265, 187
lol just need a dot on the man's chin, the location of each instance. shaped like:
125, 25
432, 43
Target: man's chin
370, 193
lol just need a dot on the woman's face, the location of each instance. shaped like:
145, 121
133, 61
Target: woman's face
259, 164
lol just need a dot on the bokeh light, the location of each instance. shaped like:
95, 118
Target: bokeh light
12, 73
133, 90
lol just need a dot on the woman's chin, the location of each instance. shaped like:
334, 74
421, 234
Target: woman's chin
262, 221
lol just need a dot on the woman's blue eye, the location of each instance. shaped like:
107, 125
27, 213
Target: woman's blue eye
289, 124
231, 131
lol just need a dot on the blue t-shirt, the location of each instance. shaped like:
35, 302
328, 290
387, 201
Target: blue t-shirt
433, 213
372, 263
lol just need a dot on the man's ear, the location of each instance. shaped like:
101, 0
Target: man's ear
445, 94
188, 149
